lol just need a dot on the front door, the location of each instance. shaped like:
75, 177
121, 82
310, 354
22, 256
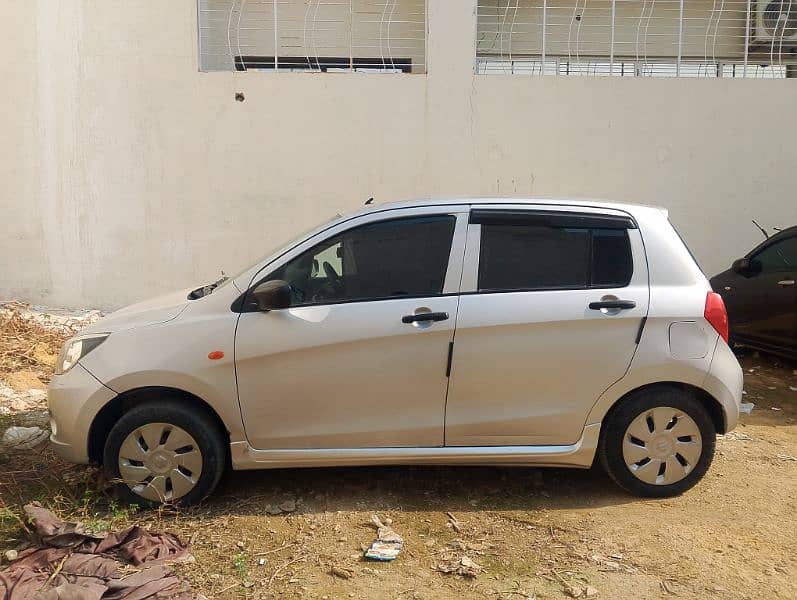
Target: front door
761, 306
359, 360
531, 357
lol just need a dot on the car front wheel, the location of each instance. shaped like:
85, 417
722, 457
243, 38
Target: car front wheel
164, 453
658, 442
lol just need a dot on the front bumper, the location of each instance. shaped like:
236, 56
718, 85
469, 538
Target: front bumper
74, 399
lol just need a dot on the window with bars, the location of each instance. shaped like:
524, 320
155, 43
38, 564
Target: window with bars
638, 38
384, 36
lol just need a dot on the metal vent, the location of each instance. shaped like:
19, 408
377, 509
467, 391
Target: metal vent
780, 18
383, 36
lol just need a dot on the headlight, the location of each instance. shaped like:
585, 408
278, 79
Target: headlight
75, 349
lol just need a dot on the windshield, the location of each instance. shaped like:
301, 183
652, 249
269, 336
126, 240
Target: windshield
209, 288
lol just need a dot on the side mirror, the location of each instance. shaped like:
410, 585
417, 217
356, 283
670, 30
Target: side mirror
272, 295
746, 267
740, 265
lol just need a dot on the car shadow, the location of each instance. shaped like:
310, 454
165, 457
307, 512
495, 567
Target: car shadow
415, 488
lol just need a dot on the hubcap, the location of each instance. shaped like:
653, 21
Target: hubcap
662, 446
160, 462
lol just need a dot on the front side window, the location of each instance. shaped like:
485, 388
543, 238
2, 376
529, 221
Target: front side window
397, 258
780, 256
516, 256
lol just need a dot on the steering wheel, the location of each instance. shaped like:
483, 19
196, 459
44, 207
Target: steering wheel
333, 286
331, 274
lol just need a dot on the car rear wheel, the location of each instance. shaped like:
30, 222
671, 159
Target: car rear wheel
658, 442
164, 453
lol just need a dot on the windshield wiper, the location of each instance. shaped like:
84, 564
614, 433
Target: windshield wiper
203, 291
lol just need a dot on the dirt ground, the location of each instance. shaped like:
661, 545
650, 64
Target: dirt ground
544, 533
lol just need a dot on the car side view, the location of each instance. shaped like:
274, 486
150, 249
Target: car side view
761, 296
453, 332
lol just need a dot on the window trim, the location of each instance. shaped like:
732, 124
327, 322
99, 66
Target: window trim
451, 280
552, 218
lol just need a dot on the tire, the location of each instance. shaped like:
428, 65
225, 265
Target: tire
183, 441
685, 445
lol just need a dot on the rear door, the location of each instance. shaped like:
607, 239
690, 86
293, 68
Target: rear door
533, 351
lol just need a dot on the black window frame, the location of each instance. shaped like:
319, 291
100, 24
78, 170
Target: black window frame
554, 220
243, 303
771, 244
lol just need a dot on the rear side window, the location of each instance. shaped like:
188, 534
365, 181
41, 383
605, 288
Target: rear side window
388, 259
515, 257
518, 256
612, 265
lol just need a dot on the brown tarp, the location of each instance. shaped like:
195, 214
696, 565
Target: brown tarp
69, 562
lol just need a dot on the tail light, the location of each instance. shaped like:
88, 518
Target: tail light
716, 314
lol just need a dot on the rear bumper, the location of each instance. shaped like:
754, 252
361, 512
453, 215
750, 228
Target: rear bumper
725, 381
74, 400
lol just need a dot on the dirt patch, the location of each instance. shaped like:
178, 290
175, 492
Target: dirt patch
544, 533
22, 381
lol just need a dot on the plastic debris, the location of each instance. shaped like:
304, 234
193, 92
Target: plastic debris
453, 522
342, 572
463, 566
746, 407
736, 436
578, 591
23, 438
387, 545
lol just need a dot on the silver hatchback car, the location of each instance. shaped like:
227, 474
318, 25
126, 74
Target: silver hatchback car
457, 332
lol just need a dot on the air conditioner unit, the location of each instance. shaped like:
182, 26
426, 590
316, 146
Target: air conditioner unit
775, 21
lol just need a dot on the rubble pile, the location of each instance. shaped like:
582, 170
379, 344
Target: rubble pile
30, 340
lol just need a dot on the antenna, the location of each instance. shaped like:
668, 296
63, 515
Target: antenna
764, 231
369, 201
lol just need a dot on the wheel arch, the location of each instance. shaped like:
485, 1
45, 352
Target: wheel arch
711, 404
105, 419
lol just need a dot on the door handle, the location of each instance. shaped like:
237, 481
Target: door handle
785, 282
427, 316
621, 304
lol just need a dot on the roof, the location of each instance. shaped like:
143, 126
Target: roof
579, 202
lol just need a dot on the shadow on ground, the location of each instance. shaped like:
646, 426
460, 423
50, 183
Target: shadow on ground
459, 489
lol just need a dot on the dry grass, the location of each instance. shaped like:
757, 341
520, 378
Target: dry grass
26, 343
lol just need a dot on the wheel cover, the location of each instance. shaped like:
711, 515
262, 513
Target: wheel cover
662, 446
160, 462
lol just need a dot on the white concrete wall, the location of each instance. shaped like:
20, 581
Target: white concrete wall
126, 172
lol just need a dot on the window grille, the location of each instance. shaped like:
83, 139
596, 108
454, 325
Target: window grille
384, 36
638, 38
